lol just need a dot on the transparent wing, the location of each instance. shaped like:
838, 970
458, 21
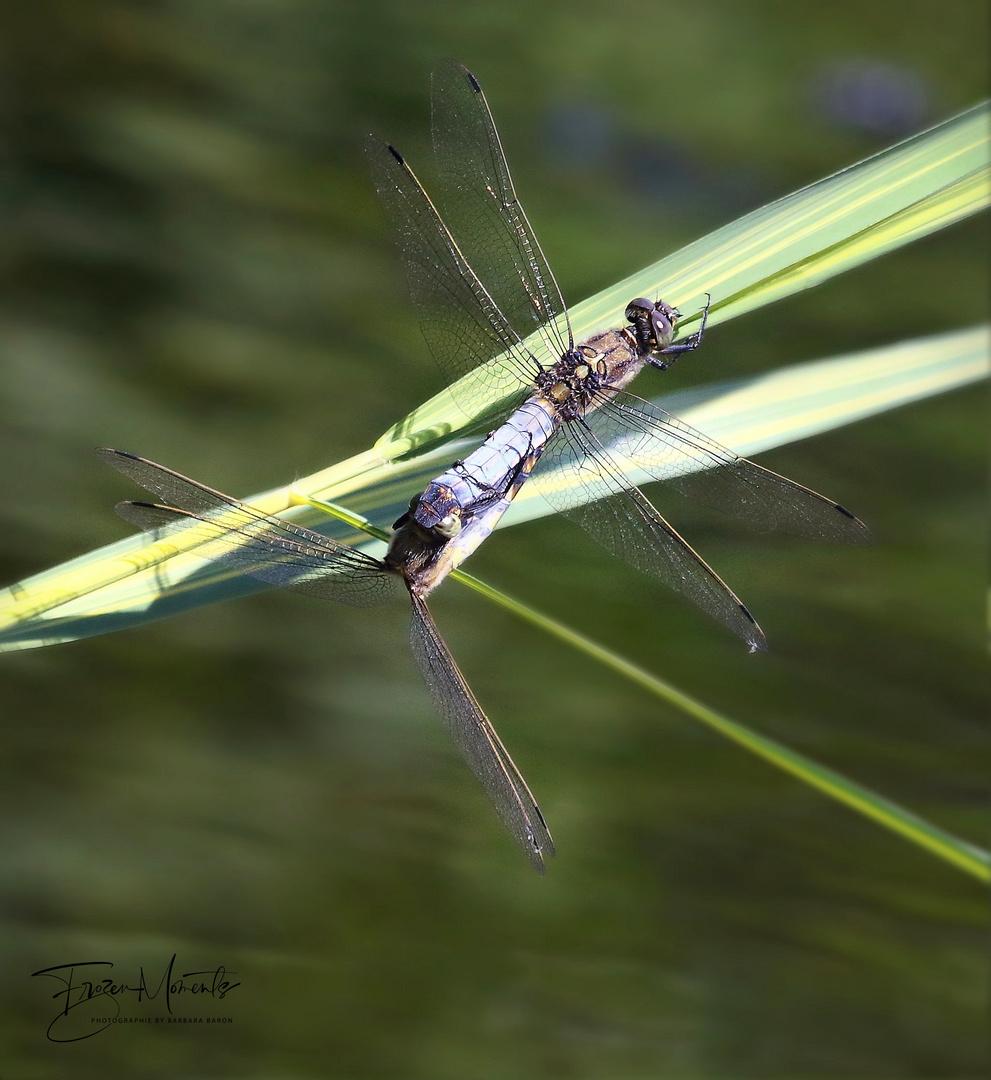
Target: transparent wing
276, 551
249, 542
482, 211
477, 740
460, 320
581, 480
667, 449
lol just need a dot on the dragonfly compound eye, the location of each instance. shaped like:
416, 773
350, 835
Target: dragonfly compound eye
448, 526
662, 320
638, 309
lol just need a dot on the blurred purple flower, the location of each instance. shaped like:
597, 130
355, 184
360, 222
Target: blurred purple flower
872, 96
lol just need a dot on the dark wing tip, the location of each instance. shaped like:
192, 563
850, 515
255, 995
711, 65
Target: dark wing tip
543, 846
756, 639
153, 506
109, 456
122, 508
857, 532
452, 66
536, 858
110, 452
375, 144
167, 513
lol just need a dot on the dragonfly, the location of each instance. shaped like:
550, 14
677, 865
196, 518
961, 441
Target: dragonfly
495, 320
505, 329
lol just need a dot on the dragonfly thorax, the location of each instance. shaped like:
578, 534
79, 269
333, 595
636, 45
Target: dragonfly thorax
574, 380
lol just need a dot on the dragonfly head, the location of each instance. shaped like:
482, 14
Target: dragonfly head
653, 323
438, 511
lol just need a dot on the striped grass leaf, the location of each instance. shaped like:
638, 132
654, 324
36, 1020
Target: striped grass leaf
148, 576
927, 182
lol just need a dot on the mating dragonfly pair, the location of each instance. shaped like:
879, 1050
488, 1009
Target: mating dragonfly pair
494, 319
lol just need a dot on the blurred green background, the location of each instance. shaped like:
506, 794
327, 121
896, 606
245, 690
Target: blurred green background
196, 270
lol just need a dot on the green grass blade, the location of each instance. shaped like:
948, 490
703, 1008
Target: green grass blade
136, 580
964, 856
927, 182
